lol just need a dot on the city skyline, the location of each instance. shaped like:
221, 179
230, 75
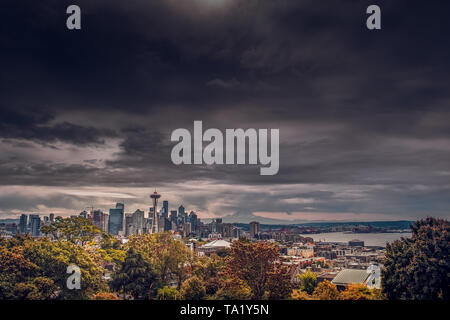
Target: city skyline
86, 116
234, 218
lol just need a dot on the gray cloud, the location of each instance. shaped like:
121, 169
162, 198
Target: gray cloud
356, 109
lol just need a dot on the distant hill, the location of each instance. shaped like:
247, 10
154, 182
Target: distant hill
397, 225
246, 217
9, 221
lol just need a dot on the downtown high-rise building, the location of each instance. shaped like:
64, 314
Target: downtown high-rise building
129, 225
165, 209
193, 220
35, 225
23, 224
99, 219
254, 229
116, 220
173, 216
138, 220
181, 218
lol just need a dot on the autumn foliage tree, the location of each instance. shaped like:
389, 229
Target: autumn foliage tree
233, 289
357, 292
258, 264
325, 290
193, 289
298, 294
15, 270
419, 267
105, 296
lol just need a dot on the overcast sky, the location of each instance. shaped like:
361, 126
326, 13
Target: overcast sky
364, 116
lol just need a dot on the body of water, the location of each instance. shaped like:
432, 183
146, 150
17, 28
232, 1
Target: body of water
370, 239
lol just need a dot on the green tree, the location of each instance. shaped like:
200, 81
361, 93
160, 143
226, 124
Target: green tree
212, 285
308, 281
209, 270
36, 269
168, 293
208, 267
116, 256
136, 276
78, 230
39, 288
418, 268
193, 289
53, 258
171, 258
109, 242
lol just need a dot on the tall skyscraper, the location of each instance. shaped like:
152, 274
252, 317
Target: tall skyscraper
165, 212
129, 225
181, 216
193, 220
173, 216
155, 221
116, 220
227, 230
98, 219
187, 228
167, 225
254, 229
23, 224
52, 217
35, 225
139, 221
105, 222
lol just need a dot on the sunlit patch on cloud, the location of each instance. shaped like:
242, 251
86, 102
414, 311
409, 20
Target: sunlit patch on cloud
100, 194
299, 200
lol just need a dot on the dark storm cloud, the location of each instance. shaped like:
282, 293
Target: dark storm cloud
353, 107
34, 125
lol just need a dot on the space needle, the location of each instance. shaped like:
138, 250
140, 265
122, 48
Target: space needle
155, 196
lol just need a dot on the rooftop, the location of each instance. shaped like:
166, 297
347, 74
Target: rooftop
217, 244
349, 276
